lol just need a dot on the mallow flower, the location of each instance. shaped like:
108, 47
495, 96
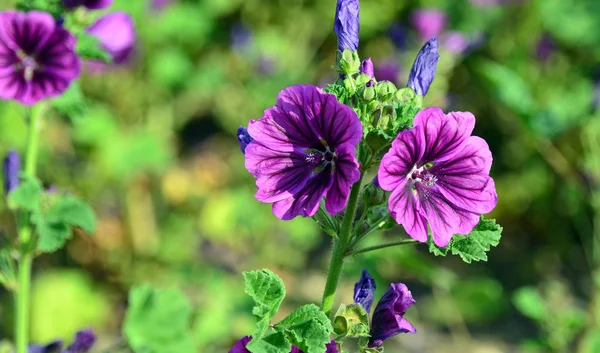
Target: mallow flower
304, 149
388, 317
347, 24
116, 32
37, 57
364, 291
11, 168
244, 138
84, 340
422, 72
438, 175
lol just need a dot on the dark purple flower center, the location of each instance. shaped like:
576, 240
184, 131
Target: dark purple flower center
422, 175
27, 64
321, 158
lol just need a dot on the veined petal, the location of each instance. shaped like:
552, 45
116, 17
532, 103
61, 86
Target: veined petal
405, 209
407, 150
306, 201
345, 174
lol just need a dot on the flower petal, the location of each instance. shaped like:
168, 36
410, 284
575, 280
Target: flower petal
306, 201
346, 173
405, 209
406, 151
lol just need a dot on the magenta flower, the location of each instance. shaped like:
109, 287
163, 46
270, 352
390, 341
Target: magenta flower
37, 57
304, 149
90, 4
438, 174
388, 316
428, 22
116, 32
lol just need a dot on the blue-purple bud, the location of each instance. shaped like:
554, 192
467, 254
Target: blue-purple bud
364, 291
244, 138
12, 165
422, 72
388, 317
347, 24
366, 67
84, 340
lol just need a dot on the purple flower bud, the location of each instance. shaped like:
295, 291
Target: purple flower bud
366, 67
159, 5
364, 291
388, 317
53, 347
428, 22
84, 340
116, 33
244, 138
331, 347
422, 72
90, 4
12, 165
375, 182
347, 24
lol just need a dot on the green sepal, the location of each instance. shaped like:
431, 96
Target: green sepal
351, 321
348, 62
362, 79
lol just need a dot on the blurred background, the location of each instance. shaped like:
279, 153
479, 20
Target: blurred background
152, 146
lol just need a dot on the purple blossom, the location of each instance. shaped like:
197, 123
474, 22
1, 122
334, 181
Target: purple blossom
243, 138
422, 72
331, 347
304, 148
116, 32
388, 70
438, 174
455, 42
12, 166
37, 57
84, 340
366, 67
241, 37
428, 22
364, 291
90, 4
347, 24
545, 47
388, 317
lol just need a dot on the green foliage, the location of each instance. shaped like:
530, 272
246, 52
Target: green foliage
268, 291
26, 196
351, 321
72, 103
472, 247
530, 303
158, 321
307, 327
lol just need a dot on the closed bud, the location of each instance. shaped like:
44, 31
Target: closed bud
369, 94
385, 90
373, 196
422, 72
347, 24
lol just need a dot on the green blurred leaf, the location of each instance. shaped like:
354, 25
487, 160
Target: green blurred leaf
26, 196
158, 321
52, 235
530, 303
72, 103
74, 212
89, 47
268, 291
308, 328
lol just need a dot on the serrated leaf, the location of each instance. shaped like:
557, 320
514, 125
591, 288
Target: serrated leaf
88, 47
26, 196
435, 250
272, 343
158, 321
52, 236
268, 291
351, 321
74, 212
473, 247
308, 328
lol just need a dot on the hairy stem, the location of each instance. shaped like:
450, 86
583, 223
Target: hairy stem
22, 294
381, 246
340, 245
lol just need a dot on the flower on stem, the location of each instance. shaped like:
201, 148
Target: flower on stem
388, 317
116, 32
89, 4
12, 166
304, 149
438, 174
422, 72
364, 291
244, 138
347, 24
37, 57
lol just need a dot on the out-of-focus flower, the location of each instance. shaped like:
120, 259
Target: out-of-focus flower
347, 24
90, 4
455, 42
53, 347
37, 57
12, 166
159, 5
545, 47
364, 291
422, 72
84, 340
243, 138
388, 317
304, 148
428, 22
388, 70
116, 32
241, 37
438, 174
398, 34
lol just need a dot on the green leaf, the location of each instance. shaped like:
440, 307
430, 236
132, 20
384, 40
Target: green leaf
52, 236
268, 291
74, 212
273, 343
158, 321
308, 328
26, 196
530, 303
351, 321
88, 47
435, 250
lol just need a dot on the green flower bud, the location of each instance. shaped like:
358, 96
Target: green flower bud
405, 95
385, 90
362, 80
369, 94
348, 63
373, 196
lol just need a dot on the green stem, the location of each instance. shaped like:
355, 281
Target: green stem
382, 246
22, 294
376, 226
340, 245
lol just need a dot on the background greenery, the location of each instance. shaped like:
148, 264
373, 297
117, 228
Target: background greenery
154, 150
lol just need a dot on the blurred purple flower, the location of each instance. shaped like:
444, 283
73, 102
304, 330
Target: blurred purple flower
398, 34
241, 37
159, 5
37, 57
438, 174
455, 42
304, 148
243, 138
12, 166
388, 317
428, 22
116, 32
347, 24
388, 70
364, 291
596, 98
84, 340
422, 72
53, 347
90, 4
545, 47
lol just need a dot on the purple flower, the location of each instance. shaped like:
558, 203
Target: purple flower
388, 317
455, 42
243, 138
240, 346
428, 22
438, 174
331, 347
398, 33
366, 67
116, 32
347, 24
12, 166
304, 148
37, 57
84, 340
241, 37
364, 291
388, 70
545, 47
422, 72
90, 4
53, 347
159, 5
